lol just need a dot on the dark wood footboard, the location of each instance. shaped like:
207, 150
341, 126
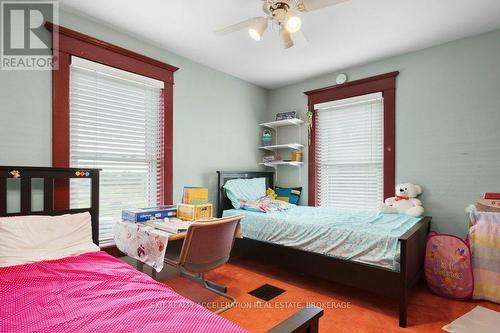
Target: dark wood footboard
304, 321
375, 279
412, 256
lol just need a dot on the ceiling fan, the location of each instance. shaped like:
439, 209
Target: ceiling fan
284, 13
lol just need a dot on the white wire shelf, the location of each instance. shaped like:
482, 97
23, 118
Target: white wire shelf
283, 146
281, 123
276, 163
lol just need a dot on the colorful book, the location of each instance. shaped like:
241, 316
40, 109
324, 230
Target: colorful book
195, 195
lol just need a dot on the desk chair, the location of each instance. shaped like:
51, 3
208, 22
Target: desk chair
207, 246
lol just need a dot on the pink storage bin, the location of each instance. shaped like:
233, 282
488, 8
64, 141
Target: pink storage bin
448, 266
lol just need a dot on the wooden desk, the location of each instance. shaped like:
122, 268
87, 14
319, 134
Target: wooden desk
180, 235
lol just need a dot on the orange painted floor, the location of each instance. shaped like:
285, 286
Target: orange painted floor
346, 309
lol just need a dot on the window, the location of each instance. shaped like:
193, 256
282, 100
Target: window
352, 142
116, 123
350, 152
123, 74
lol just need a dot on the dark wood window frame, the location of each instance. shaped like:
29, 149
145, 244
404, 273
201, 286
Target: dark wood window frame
384, 83
75, 43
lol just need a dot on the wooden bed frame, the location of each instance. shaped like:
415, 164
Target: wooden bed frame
305, 320
363, 276
48, 174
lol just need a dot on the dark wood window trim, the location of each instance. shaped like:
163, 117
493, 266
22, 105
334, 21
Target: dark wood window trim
74, 43
385, 83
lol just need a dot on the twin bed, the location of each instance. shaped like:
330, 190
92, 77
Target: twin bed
93, 291
369, 250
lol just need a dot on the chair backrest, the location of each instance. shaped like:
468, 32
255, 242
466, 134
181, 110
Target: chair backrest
208, 244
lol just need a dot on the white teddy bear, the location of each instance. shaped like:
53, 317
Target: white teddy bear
405, 201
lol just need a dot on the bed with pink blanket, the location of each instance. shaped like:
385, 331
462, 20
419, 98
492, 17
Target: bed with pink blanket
54, 278
95, 292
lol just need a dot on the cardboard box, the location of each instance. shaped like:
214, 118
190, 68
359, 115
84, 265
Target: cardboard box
145, 214
194, 212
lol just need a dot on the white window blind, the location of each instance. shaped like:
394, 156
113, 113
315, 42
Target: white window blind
350, 152
116, 123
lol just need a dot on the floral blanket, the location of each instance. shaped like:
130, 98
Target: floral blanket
265, 205
142, 242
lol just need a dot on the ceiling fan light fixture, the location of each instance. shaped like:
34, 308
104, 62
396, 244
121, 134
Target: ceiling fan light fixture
286, 38
257, 30
254, 34
293, 23
284, 14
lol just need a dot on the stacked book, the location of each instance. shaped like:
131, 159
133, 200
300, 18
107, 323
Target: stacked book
162, 218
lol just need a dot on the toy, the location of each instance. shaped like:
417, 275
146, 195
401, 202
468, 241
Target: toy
270, 193
310, 117
15, 174
405, 201
267, 137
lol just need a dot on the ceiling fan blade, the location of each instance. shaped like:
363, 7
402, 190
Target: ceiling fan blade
310, 5
299, 40
239, 26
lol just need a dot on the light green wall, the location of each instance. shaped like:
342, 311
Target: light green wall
447, 123
448, 117
215, 114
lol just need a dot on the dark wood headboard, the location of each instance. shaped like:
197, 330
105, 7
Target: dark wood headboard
26, 174
223, 202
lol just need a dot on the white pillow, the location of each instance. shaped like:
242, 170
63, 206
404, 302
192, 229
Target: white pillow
26, 239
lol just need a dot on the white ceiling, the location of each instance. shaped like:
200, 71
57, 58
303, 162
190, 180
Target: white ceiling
351, 33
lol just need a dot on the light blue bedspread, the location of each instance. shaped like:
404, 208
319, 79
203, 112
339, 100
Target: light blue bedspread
364, 236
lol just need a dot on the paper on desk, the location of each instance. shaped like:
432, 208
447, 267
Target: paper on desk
172, 226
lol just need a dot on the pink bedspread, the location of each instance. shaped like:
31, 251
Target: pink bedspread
95, 292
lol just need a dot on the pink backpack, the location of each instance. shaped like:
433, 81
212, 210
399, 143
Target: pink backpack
448, 266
